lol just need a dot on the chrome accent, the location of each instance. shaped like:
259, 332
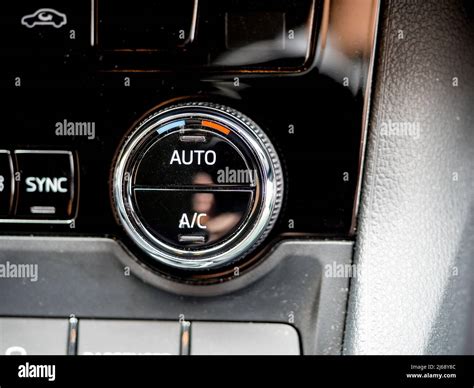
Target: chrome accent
311, 36
346, 48
365, 116
43, 210
185, 338
92, 37
192, 139
33, 221
191, 238
266, 202
194, 20
72, 335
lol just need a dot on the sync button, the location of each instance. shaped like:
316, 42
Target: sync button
46, 185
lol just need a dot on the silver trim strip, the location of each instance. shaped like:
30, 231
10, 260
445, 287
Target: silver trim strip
43, 209
365, 119
192, 139
192, 31
185, 338
311, 37
72, 335
191, 238
92, 23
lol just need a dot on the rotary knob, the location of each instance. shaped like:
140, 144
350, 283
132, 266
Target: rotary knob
197, 186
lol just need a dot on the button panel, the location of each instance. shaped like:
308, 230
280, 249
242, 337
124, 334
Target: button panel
45, 336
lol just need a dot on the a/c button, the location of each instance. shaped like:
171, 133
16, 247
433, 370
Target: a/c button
192, 218
46, 187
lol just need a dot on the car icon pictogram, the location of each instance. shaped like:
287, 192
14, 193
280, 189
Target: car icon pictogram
44, 17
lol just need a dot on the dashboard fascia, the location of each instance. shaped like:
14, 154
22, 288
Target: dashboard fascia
315, 117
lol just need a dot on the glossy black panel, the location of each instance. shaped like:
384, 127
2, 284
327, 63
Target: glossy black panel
214, 34
144, 24
322, 147
257, 33
314, 118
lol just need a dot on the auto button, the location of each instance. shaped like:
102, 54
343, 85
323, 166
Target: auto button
193, 157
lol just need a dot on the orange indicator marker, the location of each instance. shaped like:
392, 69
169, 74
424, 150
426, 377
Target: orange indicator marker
216, 126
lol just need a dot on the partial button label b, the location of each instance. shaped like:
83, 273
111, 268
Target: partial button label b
6, 176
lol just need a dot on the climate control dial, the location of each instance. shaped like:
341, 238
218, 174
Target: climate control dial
197, 185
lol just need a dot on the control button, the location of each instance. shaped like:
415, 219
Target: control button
146, 24
193, 157
103, 337
192, 218
46, 187
218, 338
6, 186
30, 336
37, 25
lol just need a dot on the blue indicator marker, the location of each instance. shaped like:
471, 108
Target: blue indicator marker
173, 124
